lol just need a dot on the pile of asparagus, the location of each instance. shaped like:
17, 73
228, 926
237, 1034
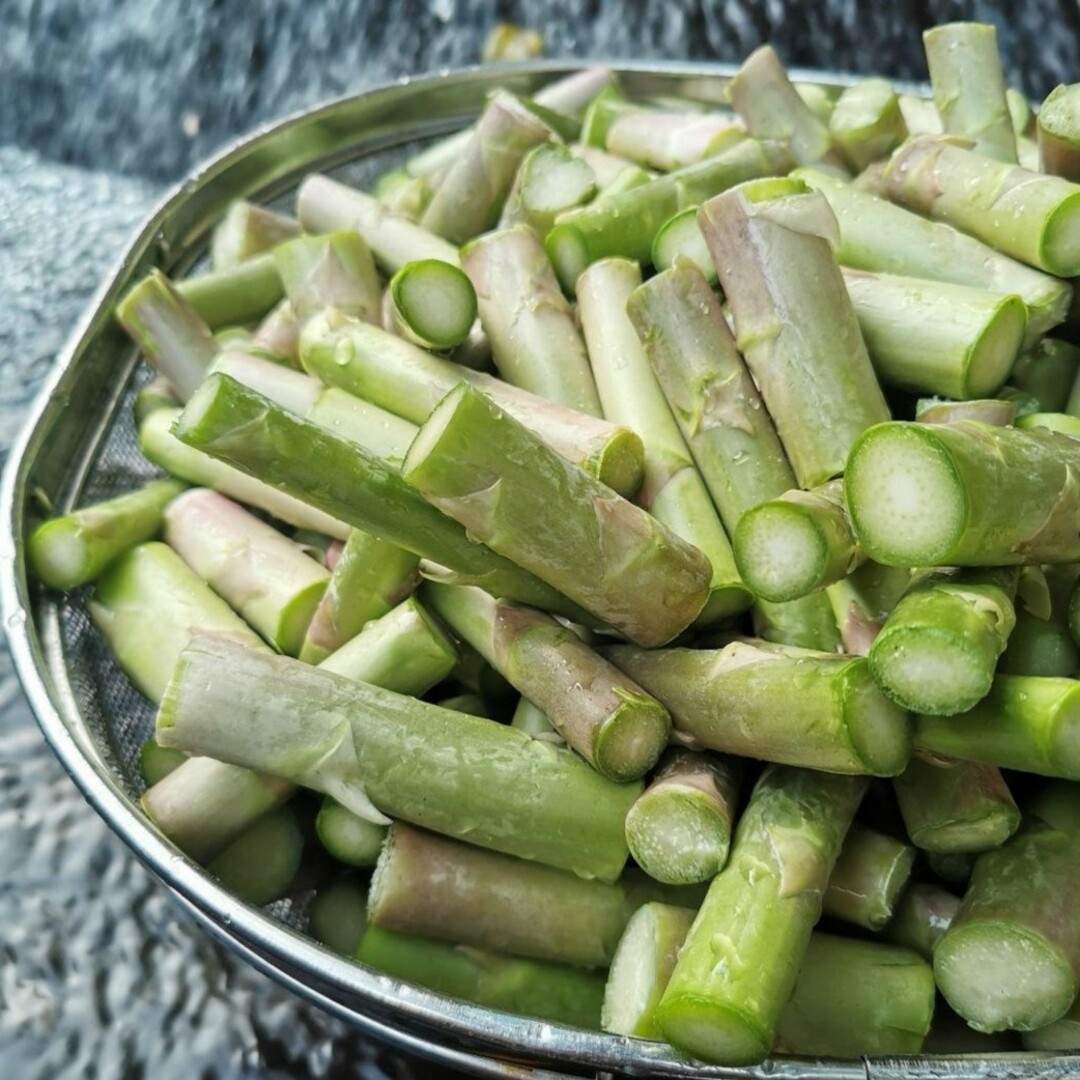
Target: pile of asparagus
633, 478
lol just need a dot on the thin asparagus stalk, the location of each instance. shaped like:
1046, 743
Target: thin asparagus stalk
969, 88
792, 546
498, 480
278, 334
72, 549
350, 839
1025, 722
262, 575
679, 240
335, 270
1059, 133
615, 726
673, 491
726, 699
1062, 1034
867, 124
876, 235
354, 741
626, 224
668, 140
740, 962
940, 645
433, 304
156, 762
1011, 958
259, 866
238, 295
964, 494
997, 411
679, 830
1057, 803
551, 180
247, 230
535, 342
410, 382
771, 243
1027, 215
924, 913
533, 721
870, 874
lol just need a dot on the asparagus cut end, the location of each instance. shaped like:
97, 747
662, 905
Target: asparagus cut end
780, 551
631, 739
57, 553
569, 254
711, 1031
679, 838
962, 836
879, 730
681, 239
1061, 238
435, 301
995, 350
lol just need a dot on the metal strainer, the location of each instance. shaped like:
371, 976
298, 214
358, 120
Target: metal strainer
79, 446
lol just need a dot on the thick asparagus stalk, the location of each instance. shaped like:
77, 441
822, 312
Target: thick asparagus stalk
551, 179
1025, 722
666, 139
1048, 372
535, 342
247, 230
75, 548
601, 713
922, 916
969, 88
497, 786
349, 838
964, 494
673, 491
238, 295
278, 335
739, 964
496, 478
1059, 132
433, 304
771, 243
410, 382
1011, 958
679, 830
1027, 215
870, 874
866, 122
260, 865
726, 699
264, 576
336, 270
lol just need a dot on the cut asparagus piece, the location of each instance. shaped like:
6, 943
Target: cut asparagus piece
278, 335
247, 230
1030, 216
235, 296
937, 338
922, 916
404, 194
244, 429
855, 998
337, 917
969, 88
602, 112
964, 494
793, 320
497, 786
260, 865
940, 645
156, 762
920, 115
551, 180
679, 241
336, 270
75, 548
1025, 722
679, 830
739, 964
996, 411
607, 168
615, 726
1062, 1034
1059, 132
867, 123
262, 575
535, 342
533, 721
1048, 372
870, 874
1057, 803
1011, 958
1059, 422
862, 602
349, 838
1040, 647
726, 699
792, 546
410, 382
876, 235
498, 480
819, 99
433, 304
626, 224
667, 140
673, 491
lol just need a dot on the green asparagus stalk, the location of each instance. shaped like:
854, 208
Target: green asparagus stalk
1027, 154
969, 88
666, 139
247, 230
410, 382
1041, 644
535, 342
1048, 372
72, 549
679, 241
793, 320
238, 295
740, 962
673, 491
278, 335
924, 913
1062, 1034
1057, 803
492, 475
870, 874
156, 762
862, 601
349, 838
497, 786
404, 194
615, 726
433, 304
1011, 958
1059, 133
679, 830
337, 917
1025, 722
920, 115
727, 700
866, 123
551, 179
997, 411
1027, 215
1020, 114
259, 866
819, 99
1060, 422
336, 270
602, 112
533, 721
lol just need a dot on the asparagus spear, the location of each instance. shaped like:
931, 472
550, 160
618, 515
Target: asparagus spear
433, 304
602, 112
497, 786
924, 913
1048, 372
1027, 215
410, 382
679, 830
771, 243
278, 335
726, 700
259, 866
673, 491
954, 868
72, 549
870, 874
156, 762
551, 179
997, 411
666, 139
866, 123
264, 576
535, 342
247, 230
615, 726
491, 474
1011, 958
348, 837
964, 494
969, 88
679, 240
237, 295
533, 721
740, 962
336, 270
1059, 133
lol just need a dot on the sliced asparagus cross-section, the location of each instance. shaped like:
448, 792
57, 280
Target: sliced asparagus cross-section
433, 304
551, 180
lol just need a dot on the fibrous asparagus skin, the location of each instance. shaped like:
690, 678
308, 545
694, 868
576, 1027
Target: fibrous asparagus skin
870, 873
924, 913
497, 479
335, 270
231, 297
1059, 133
668, 139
